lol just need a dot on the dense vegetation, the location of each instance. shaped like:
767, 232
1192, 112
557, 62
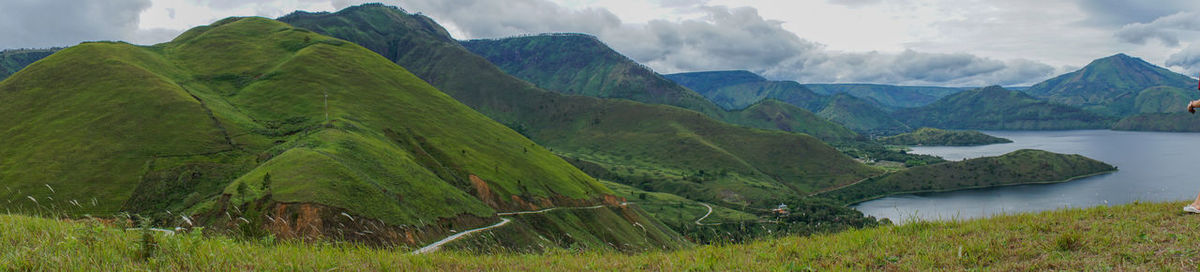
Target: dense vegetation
933, 136
1018, 167
12, 61
243, 126
1131, 237
650, 147
890, 96
1109, 85
999, 109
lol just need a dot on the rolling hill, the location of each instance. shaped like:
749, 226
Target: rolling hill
252, 126
941, 137
1024, 166
1109, 85
651, 147
1000, 109
12, 61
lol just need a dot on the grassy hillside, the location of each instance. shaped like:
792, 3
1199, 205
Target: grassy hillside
244, 121
1162, 108
1109, 85
933, 136
1131, 237
1163, 99
860, 115
1172, 122
890, 96
1018, 167
12, 61
775, 114
581, 64
996, 108
652, 147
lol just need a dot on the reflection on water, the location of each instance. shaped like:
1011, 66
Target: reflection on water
1154, 166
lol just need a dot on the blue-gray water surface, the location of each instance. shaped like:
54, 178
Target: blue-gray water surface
1153, 166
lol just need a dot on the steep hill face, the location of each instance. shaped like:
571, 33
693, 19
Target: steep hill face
996, 108
663, 148
12, 61
252, 125
890, 96
583, 65
1109, 85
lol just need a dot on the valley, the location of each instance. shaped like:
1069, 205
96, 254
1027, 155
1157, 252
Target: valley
373, 137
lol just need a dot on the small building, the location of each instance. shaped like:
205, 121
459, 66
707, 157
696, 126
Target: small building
781, 210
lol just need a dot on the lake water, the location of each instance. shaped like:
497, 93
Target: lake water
1154, 166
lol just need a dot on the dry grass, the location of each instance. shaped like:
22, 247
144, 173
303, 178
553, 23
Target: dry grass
1130, 237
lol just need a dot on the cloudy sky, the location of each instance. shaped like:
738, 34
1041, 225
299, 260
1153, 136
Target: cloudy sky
908, 42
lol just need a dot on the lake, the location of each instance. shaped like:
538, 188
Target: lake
1154, 167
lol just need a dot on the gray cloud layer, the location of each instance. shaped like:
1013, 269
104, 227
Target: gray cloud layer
46, 23
730, 38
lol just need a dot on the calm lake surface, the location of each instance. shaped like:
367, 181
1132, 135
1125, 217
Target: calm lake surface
1154, 166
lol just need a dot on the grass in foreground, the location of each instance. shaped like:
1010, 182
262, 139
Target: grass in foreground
1137, 236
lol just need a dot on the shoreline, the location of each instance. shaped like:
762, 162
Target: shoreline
984, 187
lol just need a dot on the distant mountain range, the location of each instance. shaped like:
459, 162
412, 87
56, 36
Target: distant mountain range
737, 89
580, 64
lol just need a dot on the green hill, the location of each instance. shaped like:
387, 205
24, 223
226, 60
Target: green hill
775, 114
12, 61
708, 81
1171, 122
740, 89
1163, 99
652, 147
860, 115
581, 64
1024, 166
1161, 108
1131, 237
1109, 85
890, 96
253, 126
996, 108
933, 136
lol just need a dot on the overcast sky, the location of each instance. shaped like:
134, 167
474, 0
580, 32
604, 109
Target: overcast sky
908, 42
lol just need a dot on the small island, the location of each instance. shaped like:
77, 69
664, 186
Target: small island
1025, 166
934, 136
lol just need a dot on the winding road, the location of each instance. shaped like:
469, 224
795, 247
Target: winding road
706, 216
503, 221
